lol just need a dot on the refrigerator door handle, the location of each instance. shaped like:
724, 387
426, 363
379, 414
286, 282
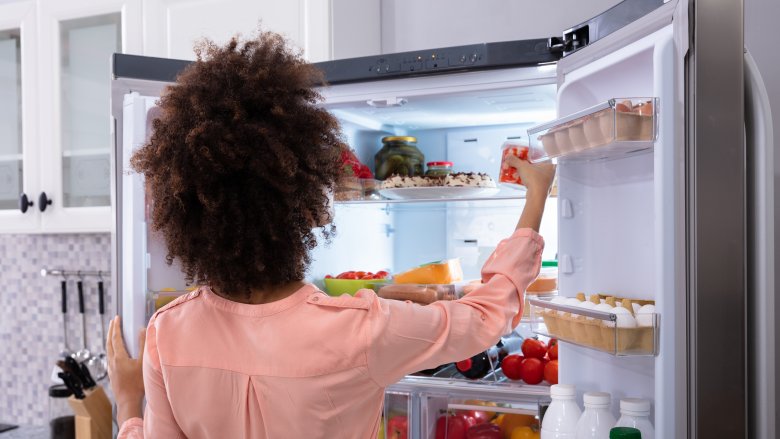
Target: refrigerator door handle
760, 253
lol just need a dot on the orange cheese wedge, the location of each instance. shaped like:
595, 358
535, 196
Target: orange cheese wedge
442, 272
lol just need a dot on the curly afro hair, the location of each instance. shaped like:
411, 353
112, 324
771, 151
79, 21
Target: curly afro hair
240, 164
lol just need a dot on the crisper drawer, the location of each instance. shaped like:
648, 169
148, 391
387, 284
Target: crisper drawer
438, 408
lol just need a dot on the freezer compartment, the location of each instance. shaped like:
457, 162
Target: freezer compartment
617, 126
620, 333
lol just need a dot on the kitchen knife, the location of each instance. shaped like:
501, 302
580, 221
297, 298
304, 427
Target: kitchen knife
88, 382
76, 370
72, 384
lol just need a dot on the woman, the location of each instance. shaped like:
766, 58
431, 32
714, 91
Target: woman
239, 167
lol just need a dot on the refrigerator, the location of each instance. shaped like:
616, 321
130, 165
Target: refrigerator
678, 212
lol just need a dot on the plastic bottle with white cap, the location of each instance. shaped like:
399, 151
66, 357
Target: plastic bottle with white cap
560, 419
636, 413
596, 420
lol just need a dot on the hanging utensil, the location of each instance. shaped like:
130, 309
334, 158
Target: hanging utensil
66, 349
98, 364
83, 354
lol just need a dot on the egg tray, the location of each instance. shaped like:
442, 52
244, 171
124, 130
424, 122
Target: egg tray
594, 329
596, 132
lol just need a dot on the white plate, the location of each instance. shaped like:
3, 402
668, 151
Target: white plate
432, 193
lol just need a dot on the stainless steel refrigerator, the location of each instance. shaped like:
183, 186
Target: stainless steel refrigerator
682, 215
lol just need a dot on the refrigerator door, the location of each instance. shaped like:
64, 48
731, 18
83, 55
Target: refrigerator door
139, 266
621, 210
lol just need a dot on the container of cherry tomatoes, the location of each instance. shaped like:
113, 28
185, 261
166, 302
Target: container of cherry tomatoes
509, 175
350, 282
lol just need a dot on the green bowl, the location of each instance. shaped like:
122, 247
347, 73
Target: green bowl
337, 287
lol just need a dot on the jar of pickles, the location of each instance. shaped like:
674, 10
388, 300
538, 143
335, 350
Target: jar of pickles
439, 169
399, 155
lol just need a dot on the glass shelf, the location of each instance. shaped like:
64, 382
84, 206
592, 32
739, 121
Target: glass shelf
618, 126
594, 329
520, 196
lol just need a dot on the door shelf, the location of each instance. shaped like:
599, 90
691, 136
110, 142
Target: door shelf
618, 126
593, 329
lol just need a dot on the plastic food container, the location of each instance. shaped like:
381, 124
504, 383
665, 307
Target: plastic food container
547, 282
337, 287
399, 155
508, 173
617, 126
618, 333
439, 169
420, 293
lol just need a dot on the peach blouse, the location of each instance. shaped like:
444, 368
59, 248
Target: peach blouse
311, 365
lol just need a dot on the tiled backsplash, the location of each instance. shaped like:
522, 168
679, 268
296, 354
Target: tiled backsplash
31, 318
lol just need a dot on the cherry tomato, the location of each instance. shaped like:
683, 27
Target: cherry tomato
367, 277
511, 366
398, 427
360, 274
552, 342
327, 276
553, 352
532, 370
351, 276
551, 372
533, 348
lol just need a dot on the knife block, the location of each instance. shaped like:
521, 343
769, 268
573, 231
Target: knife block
93, 415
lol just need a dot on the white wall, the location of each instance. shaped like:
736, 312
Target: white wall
413, 24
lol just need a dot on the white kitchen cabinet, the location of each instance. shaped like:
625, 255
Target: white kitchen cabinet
18, 142
172, 27
77, 39
55, 72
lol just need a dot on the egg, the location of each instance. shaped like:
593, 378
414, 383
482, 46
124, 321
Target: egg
645, 317
605, 307
587, 305
624, 318
559, 301
636, 307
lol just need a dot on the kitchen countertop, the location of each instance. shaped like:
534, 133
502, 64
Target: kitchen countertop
26, 432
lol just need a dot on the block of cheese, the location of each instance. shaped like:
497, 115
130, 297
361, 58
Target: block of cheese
442, 272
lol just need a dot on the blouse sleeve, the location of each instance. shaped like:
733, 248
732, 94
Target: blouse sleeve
159, 421
407, 337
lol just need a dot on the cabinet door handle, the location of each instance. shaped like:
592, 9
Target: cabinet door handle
43, 201
24, 203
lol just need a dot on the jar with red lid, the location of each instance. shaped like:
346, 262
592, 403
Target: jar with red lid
438, 169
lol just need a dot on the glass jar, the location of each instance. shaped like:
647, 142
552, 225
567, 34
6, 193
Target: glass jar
399, 155
439, 169
62, 423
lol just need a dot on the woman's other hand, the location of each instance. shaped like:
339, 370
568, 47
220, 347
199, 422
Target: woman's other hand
125, 373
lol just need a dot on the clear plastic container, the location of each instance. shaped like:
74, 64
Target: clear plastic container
618, 126
421, 293
508, 173
615, 329
547, 281
560, 419
596, 420
636, 413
